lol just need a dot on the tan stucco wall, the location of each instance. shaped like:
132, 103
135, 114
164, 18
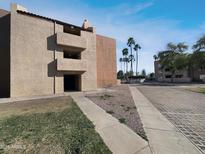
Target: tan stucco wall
71, 65
106, 61
71, 40
86, 66
59, 83
32, 56
89, 78
4, 53
35, 55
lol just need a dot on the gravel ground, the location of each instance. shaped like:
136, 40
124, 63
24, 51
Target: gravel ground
118, 102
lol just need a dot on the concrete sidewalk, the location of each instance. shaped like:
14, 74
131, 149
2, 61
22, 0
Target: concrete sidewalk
118, 137
163, 137
17, 99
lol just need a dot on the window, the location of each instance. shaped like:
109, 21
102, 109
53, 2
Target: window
168, 76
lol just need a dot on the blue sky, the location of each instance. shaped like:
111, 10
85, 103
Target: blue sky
153, 23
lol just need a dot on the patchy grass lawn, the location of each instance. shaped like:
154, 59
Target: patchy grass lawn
57, 126
198, 90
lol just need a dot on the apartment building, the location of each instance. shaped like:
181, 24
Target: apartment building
164, 75
185, 75
41, 56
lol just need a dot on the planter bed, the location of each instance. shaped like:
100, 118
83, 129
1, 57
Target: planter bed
118, 102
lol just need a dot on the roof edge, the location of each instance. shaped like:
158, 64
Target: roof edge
53, 20
108, 37
4, 12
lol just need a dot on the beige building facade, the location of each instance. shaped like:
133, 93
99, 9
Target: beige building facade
41, 56
164, 75
185, 75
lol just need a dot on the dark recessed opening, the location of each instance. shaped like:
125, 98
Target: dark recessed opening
179, 76
71, 30
72, 83
168, 76
167, 70
71, 55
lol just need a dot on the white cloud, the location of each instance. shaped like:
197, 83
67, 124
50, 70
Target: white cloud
136, 8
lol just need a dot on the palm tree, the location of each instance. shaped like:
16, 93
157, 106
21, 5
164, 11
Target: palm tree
144, 73
131, 43
181, 47
171, 47
125, 59
155, 57
200, 44
121, 60
131, 58
136, 48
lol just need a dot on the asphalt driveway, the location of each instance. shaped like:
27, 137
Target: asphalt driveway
185, 109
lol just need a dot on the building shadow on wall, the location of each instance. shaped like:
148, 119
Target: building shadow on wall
5, 56
51, 43
52, 68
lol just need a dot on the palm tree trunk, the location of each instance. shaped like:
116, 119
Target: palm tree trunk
126, 67
126, 71
136, 61
131, 68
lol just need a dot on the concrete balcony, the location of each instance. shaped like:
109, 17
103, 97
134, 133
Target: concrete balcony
71, 65
71, 41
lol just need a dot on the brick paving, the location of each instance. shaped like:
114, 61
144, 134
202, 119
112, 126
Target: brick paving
186, 110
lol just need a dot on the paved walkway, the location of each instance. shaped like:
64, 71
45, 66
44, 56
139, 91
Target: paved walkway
118, 137
163, 137
185, 109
